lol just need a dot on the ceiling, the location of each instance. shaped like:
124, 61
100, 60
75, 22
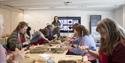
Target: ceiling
64, 4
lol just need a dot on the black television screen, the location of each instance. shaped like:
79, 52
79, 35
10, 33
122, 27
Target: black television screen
68, 22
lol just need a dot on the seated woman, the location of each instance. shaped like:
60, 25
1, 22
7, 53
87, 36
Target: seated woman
28, 33
75, 34
9, 57
39, 38
17, 38
83, 39
50, 32
112, 47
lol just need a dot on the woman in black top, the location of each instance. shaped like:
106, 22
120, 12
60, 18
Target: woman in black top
56, 24
28, 32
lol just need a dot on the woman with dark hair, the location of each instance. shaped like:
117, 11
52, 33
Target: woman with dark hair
50, 32
17, 38
75, 33
39, 37
56, 24
74, 27
83, 39
42, 36
28, 32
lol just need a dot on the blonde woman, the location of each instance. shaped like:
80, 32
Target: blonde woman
112, 48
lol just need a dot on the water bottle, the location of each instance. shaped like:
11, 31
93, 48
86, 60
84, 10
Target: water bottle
50, 60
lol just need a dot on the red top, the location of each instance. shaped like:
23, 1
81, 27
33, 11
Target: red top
22, 38
40, 41
118, 54
103, 58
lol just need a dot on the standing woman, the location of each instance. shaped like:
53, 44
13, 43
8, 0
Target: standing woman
17, 38
56, 24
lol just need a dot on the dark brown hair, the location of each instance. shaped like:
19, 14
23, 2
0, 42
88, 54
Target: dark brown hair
55, 18
44, 31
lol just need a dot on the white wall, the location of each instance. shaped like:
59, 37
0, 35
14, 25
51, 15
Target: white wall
124, 15
10, 17
39, 18
118, 15
1, 25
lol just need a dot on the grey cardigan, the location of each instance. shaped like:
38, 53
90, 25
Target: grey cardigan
13, 41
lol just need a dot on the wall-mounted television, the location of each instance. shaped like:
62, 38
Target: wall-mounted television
67, 23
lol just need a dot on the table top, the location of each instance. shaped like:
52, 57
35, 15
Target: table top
44, 57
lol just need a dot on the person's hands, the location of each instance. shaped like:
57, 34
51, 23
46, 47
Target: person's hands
55, 36
26, 43
79, 61
10, 58
48, 41
84, 47
69, 47
86, 62
20, 53
72, 39
75, 45
16, 56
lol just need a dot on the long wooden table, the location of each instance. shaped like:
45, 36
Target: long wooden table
56, 57
29, 58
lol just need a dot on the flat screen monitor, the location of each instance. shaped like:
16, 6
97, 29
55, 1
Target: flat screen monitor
67, 23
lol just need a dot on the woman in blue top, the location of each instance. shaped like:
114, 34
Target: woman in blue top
83, 39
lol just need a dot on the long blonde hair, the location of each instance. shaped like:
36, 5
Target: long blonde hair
115, 34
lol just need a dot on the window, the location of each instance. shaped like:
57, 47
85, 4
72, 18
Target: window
93, 24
